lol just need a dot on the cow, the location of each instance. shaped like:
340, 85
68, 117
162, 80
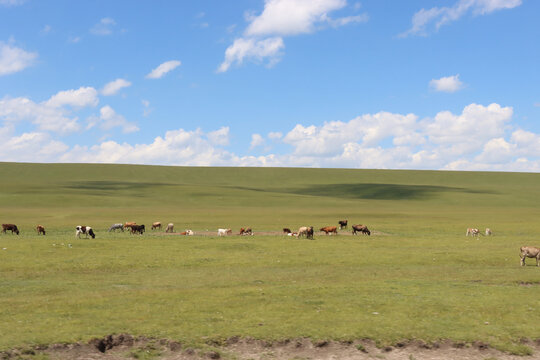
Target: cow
473, 232
40, 229
156, 225
287, 230
529, 252
342, 224
306, 231
86, 230
359, 228
187, 232
137, 229
129, 224
329, 230
488, 232
224, 232
12, 227
246, 231
116, 227
170, 228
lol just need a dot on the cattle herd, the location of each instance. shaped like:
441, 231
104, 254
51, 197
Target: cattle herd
304, 231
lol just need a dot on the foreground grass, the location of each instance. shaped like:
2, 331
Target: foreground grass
419, 277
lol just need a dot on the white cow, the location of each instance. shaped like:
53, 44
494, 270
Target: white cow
170, 227
472, 232
529, 252
86, 230
488, 232
224, 232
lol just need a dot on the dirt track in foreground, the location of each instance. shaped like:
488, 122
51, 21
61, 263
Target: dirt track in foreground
115, 347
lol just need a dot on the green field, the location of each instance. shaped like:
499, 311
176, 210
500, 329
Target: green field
417, 277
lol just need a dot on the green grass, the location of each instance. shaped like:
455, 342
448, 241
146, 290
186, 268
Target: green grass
418, 278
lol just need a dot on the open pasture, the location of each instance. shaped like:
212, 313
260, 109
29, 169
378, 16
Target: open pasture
417, 277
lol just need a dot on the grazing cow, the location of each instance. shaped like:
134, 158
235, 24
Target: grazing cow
488, 232
306, 231
473, 232
129, 224
170, 228
40, 229
529, 252
329, 230
12, 227
246, 231
224, 232
115, 227
287, 230
137, 229
359, 228
86, 230
156, 225
342, 224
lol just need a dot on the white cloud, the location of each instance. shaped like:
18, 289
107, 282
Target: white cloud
50, 115
177, 147
439, 16
163, 69
30, 147
219, 137
113, 87
253, 49
275, 135
263, 38
446, 84
14, 59
256, 141
82, 97
108, 119
147, 110
103, 27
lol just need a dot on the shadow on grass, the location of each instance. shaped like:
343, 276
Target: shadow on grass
100, 186
371, 191
379, 191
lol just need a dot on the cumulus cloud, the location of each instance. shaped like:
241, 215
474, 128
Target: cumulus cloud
84, 96
30, 146
177, 147
113, 87
446, 84
256, 140
163, 69
258, 50
103, 27
108, 119
436, 17
14, 59
480, 137
263, 38
52, 114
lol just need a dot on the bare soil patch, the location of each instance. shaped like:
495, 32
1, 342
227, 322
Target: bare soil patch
123, 346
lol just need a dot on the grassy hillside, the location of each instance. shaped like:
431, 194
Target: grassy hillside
418, 277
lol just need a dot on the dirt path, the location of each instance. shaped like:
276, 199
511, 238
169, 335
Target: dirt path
116, 347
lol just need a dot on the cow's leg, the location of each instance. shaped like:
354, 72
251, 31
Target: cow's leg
522, 260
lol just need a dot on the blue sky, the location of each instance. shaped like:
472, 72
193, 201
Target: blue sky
449, 84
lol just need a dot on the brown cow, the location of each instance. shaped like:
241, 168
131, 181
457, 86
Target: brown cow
287, 230
342, 224
137, 229
12, 227
129, 224
529, 252
156, 225
329, 230
40, 229
246, 231
360, 228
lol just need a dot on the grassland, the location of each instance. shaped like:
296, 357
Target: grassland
418, 277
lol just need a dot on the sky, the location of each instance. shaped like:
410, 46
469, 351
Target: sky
378, 84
